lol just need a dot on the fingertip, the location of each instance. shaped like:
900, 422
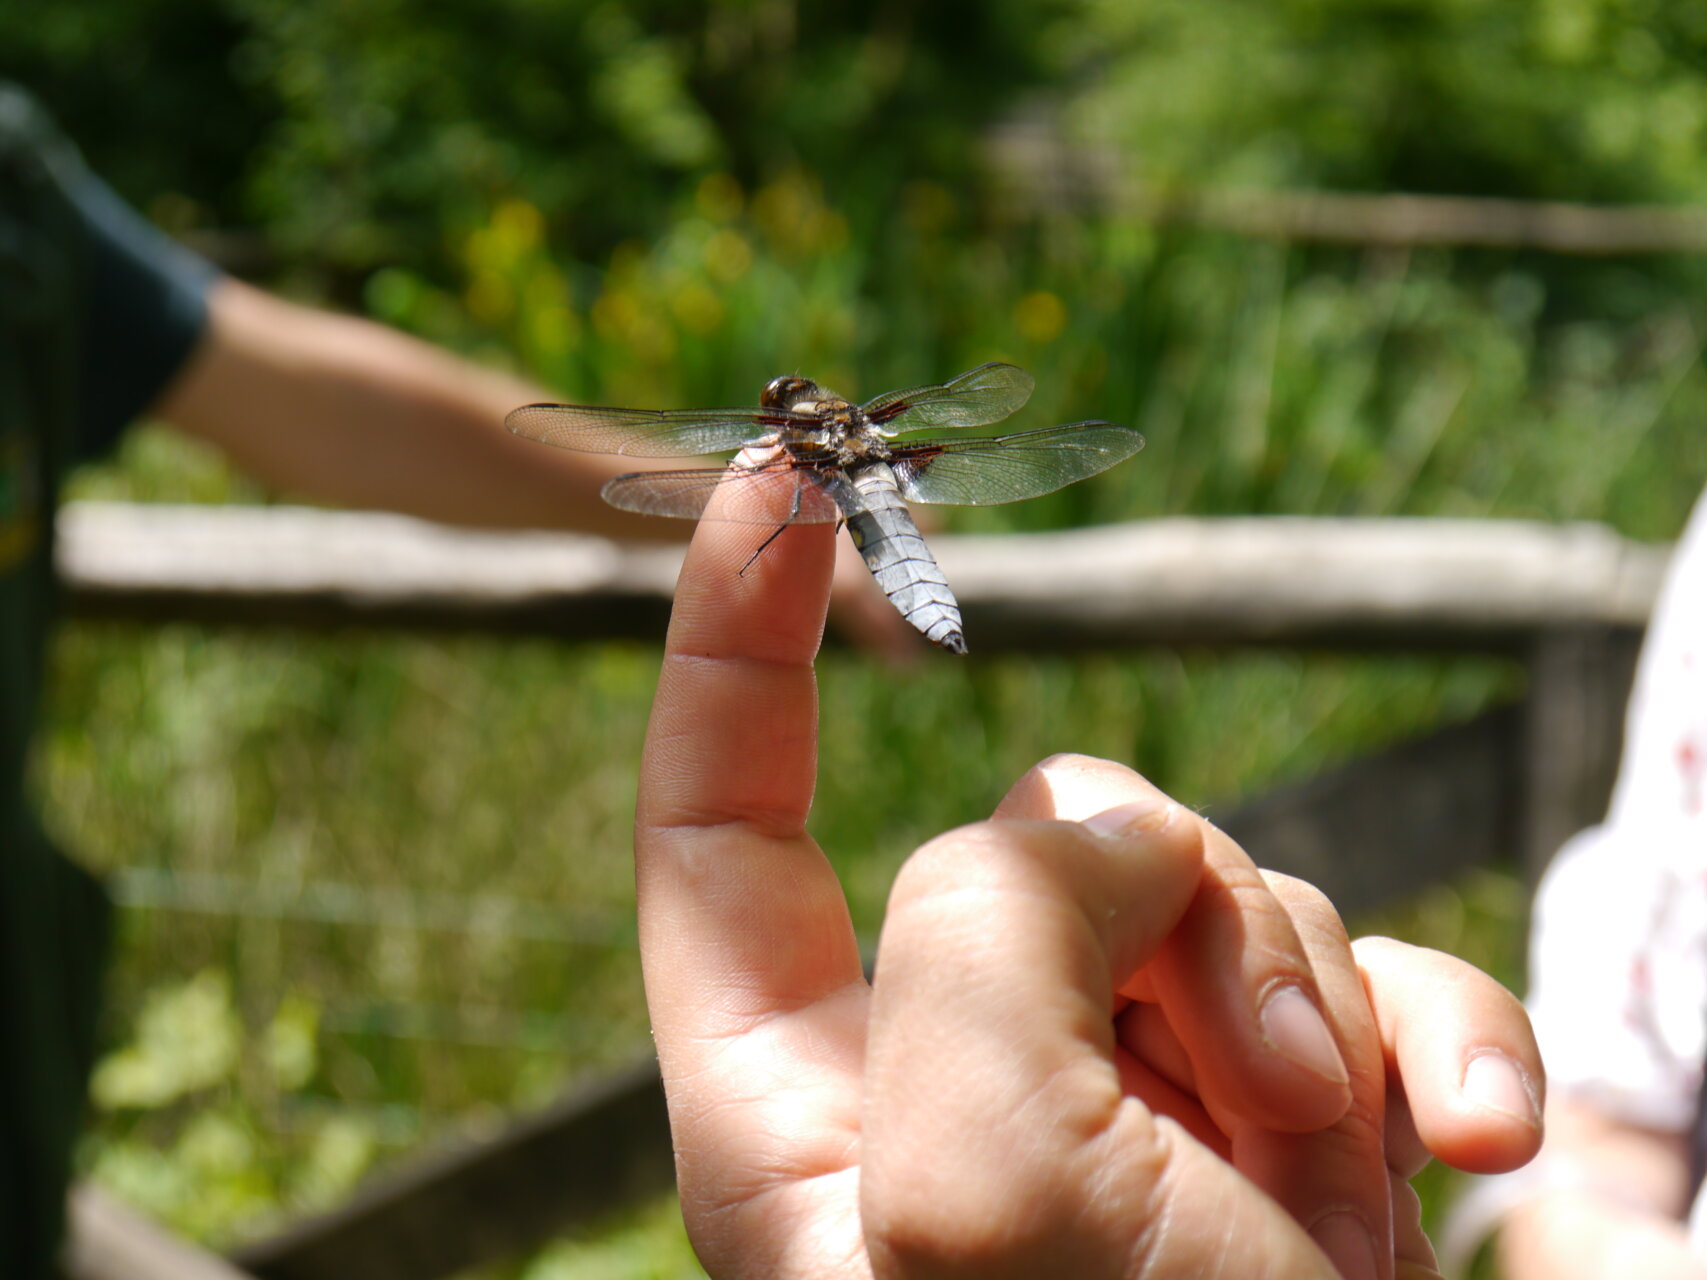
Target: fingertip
1160, 852
1147, 815
1083, 783
1495, 1083
1072, 787
1463, 1051
1294, 1028
1495, 1123
1148, 829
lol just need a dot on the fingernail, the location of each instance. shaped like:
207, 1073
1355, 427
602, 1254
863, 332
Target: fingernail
1347, 1241
1493, 1080
1136, 817
1293, 1026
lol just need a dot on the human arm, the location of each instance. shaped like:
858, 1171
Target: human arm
1099, 1042
1616, 1001
350, 412
332, 407
1616, 998
1609, 1202
354, 413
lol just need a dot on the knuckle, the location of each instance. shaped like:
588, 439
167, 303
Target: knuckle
947, 1217
1096, 1206
1295, 892
1311, 911
1241, 893
993, 855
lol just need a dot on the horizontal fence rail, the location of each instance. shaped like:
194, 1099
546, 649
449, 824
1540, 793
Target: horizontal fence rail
1038, 174
1035, 175
1422, 584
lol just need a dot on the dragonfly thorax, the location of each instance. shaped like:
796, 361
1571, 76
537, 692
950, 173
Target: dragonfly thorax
839, 426
841, 433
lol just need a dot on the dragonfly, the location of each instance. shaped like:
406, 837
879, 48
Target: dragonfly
808, 455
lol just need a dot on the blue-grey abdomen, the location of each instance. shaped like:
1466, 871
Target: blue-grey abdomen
898, 558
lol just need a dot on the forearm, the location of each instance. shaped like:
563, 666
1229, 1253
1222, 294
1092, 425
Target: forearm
1608, 1202
1572, 1234
348, 412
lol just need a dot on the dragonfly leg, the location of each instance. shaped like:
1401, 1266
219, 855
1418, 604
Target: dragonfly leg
775, 534
793, 513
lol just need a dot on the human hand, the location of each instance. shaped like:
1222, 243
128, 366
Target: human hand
1093, 1048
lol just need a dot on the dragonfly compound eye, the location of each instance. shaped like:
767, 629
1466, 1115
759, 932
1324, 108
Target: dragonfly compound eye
787, 391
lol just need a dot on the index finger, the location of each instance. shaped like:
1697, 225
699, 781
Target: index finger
1240, 990
740, 914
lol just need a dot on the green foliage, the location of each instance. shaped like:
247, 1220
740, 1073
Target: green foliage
191, 1111
186, 1040
648, 1246
1599, 100
363, 133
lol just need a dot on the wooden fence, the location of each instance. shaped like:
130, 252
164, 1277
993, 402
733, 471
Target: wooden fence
1037, 174
1567, 601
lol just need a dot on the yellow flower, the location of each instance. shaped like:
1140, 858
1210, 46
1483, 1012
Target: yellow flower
1040, 317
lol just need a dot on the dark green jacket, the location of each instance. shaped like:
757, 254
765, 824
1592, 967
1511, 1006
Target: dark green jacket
96, 314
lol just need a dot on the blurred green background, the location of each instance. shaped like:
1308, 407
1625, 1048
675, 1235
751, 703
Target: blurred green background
377, 890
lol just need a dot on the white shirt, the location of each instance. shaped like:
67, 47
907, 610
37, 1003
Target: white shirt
1618, 940
1618, 944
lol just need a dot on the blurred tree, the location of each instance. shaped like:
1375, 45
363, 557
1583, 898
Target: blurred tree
343, 127
1602, 100
381, 132
146, 88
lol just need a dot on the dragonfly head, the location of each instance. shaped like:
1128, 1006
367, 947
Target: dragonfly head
790, 392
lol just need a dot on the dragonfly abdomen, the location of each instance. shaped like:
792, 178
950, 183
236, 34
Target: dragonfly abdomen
898, 558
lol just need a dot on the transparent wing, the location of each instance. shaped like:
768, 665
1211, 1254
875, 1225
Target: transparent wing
977, 398
781, 493
648, 433
982, 473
